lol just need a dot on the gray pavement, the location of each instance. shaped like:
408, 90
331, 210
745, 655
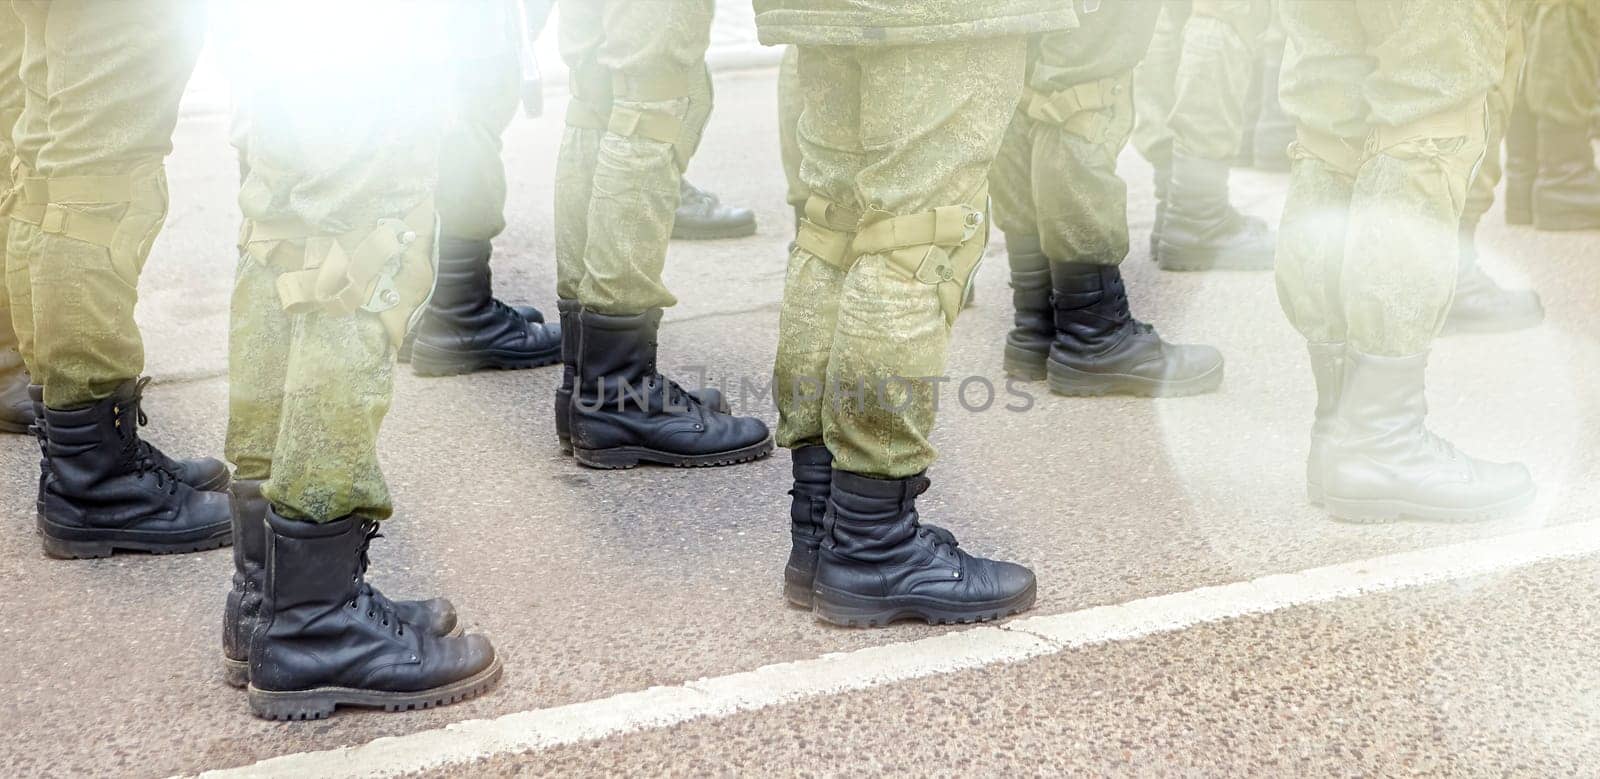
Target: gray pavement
599, 583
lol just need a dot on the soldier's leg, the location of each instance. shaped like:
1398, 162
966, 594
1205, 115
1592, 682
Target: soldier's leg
826, 81
113, 76
936, 115
790, 105
1480, 304
1153, 83
309, 406
1274, 130
1564, 55
1426, 98
701, 215
1011, 183
1200, 229
466, 328
1099, 347
624, 411
16, 409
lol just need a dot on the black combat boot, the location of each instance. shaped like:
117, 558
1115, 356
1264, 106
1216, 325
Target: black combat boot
36, 399
1028, 343
1522, 164
16, 409
243, 606
808, 503
571, 325
1100, 349
107, 490
1566, 195
624, 412
1482, 306
701, 216
325, 638
1200, 230
467, 329
1382, 463
879, 563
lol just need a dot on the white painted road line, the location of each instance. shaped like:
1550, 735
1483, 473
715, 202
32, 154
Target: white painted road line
862, 669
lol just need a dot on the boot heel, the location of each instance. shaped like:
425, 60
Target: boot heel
290, 705
606, 459
796, 590
235, 673
1023, 364
74, 550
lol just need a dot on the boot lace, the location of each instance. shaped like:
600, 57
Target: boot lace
379, 607
137, 451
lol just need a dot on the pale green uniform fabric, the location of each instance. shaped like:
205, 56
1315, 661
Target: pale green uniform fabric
1193, 88
331, 148
1389, 100
102, 82
891, 136
483, 99
11, 101
1563, 58
641, 97
1056, 174
1503, 98
791, 103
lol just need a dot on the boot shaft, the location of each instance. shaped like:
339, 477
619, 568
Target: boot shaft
1030, 283
616, 352
1327, 369
89, 446
813, 478
1090, 303
313, 565
463, 283
1381, 403
249, 534
873, 520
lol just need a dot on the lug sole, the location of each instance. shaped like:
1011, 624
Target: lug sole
1382, 511
80, 543
430, 362
686, 233
624, 457
236, 673
320, 702
1023, 364
1064, 380
1185, 259
848, 610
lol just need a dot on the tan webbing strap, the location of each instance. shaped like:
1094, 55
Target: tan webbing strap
827, 231
654, 125
943, 226
1342, 154
1464, 122
343, 282
1081, 108
941, 247
81, 190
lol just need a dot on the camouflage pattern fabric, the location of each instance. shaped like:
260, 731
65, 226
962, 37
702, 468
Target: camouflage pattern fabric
332, 147
879, 23
482, 101
641, 96
1056, 174
791, 102
1387, 146
887, 132
1194, 87
1503, 98
11, 102
103, 82
1563, 57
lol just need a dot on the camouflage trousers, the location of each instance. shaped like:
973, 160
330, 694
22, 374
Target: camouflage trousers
1387, 146
483, 98
896, 145
101, 88
1503, 98
337, 255
640, 99
1192, 88
11, 101
1563, 58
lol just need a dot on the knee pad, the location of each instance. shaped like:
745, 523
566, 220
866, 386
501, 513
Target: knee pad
120, 213
941, 248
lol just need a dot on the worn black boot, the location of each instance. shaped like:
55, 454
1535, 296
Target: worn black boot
243, 607
624, 412
1100, 349
16, 409
570, 327
701, 216
325, 638
1522, 163
1481, 305
467, 329
808, 503
529, 313
879, 564
1200, 230
1028, 343
1566, 195
107, 490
